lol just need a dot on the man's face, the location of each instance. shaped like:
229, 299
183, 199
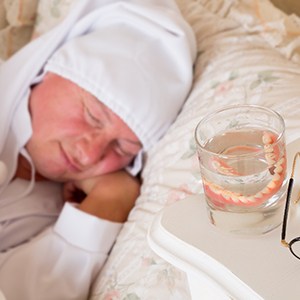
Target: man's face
75, 136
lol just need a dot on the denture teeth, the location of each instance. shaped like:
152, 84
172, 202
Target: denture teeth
226, 196
276, 176
270, 159
224, 170
210, 184
212, 189
271, 185
270, 156
268, 148
267, 138
218, 191
281, 161
266, 190
258, 195
235, 199
251, 199
215, 189
278, 169
243, 199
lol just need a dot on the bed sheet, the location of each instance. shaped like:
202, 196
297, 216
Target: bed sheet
248, 52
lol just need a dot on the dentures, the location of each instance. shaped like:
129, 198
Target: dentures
277, 168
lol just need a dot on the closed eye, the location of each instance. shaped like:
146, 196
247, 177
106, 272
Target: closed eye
125, 147
92, 118
121, 151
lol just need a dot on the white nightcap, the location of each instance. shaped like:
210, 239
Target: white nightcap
137, 60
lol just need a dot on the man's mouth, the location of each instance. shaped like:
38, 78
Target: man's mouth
69, 161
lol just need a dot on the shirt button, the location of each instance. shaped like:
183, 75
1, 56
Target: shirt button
3, 172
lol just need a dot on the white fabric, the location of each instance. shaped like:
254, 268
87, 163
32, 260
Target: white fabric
57, 264
22, 218
61, 261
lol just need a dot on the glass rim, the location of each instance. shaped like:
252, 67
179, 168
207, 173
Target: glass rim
230, 107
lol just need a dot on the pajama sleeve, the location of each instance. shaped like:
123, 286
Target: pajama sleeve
61, 262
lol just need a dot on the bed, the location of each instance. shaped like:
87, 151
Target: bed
248, 52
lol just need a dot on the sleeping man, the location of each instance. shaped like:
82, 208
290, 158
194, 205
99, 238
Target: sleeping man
80, 106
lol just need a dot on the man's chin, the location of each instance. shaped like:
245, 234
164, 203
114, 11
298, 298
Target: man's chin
54, 177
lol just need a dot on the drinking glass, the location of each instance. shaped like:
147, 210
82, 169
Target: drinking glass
242, 157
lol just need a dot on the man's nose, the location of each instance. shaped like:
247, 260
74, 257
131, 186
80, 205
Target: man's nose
91, 148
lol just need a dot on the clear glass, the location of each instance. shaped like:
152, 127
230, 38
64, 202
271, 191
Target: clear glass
242, 157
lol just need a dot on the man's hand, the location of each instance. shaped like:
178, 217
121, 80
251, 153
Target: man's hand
110, 196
